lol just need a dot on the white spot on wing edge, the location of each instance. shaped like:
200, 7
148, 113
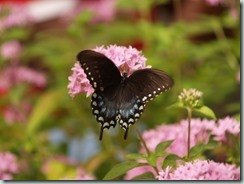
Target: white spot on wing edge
100, 118
131, 120
137, 115
106, 124
96, 112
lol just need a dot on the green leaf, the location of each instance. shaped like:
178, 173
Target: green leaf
170, 160
200, 148
152, 159
162, 146
121, 169
135, 156
206, 111
176, 105
46, 104
145, 176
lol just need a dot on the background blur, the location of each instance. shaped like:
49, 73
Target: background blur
55, 136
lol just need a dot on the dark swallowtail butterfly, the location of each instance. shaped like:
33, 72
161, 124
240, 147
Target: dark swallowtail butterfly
120, 99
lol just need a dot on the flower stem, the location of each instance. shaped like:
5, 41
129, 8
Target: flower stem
189, 113
145, 145
142, 140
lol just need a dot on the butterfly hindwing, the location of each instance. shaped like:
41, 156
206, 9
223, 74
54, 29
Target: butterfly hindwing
100, 71
104, 110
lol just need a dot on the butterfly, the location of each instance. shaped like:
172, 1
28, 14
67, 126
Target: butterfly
118, 98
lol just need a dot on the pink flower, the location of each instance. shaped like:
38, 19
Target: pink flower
18, 74
78, 82
8, 165
138, 171
10, 49
178, 133
17, 16
125, 58
226, 125
201, 170
214, 2
19, 114
102, 10
238, 76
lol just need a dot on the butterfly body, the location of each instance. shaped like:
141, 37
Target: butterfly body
120, 99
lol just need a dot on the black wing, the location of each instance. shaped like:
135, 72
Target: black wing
139, 88
149, 83
100, 71
105, 108
104, 76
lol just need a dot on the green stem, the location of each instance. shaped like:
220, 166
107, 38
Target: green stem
220, 34
189, 114
145, 145
142, 140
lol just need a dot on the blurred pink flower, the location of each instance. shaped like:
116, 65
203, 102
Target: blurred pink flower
19, 114
17, 16
213, 2
201, 170
102, 10
8, 165
178, 133
125, 58
223, 126
18, 74
138, 171
238, 76
10, 49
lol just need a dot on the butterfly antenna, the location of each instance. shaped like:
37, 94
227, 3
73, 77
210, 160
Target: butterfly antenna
126, 133
101, 133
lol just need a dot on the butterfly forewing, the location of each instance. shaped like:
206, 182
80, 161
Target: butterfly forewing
100, 71
149, 83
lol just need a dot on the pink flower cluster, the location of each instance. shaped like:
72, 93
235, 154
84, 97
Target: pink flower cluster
201, 170
9, 78
19, 113
8, 165
10, 49
102, 10
78, 83
226, 125
125, 58
17, 74
200, 133
213, 2
201, 130
17, 16
178, 133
